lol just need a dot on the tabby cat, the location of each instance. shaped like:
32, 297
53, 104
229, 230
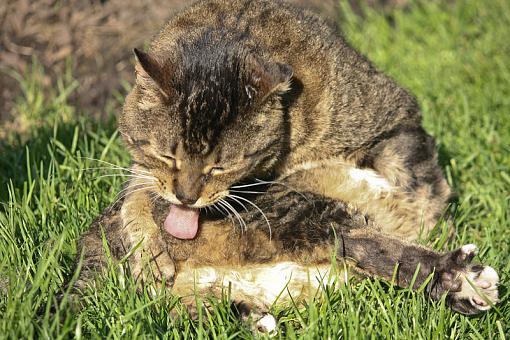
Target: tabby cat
260, 111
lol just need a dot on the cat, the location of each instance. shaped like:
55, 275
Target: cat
261, 111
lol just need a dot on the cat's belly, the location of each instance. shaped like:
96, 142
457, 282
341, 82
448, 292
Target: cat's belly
260, 283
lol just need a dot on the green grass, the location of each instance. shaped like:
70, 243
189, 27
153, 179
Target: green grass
455, 58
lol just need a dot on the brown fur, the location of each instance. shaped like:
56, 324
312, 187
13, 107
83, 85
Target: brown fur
235, 90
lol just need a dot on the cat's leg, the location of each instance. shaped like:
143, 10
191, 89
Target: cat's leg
396, 208
470, 288
257, 317
308, 227
391, 208
127, 226
398, 182
260, 320
407, 159
248, 296
150, 259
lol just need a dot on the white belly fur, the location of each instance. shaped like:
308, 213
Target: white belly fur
266, 283
375, 181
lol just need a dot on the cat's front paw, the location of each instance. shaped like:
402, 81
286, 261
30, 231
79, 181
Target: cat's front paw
470, 288
152, 263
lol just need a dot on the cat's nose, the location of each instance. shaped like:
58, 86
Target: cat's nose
185, 199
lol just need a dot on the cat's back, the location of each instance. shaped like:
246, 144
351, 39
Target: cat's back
274, 26
339, 88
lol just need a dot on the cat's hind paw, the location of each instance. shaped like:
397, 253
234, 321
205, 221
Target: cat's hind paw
471, 288
267, 324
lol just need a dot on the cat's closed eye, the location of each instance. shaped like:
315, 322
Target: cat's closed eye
170, 160
213, 170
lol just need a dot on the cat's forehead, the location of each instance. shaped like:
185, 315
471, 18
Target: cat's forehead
211, 95
212, 82
204, 115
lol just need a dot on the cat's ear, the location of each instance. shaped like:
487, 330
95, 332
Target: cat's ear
265, 79
148, 68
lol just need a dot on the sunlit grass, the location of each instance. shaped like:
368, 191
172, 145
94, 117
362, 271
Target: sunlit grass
455, 58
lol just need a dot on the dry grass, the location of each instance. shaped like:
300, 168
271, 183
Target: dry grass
91, 41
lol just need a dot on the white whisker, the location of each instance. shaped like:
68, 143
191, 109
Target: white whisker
114, 166
154, 197
284, 185
122, 172
236, 214
220, 211
224, 211
260, 210
238, 202
247, 192
126, 175
140, 189
246, 185
124, 192
133, 186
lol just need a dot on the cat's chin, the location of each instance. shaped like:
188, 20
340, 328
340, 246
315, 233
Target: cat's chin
182, 222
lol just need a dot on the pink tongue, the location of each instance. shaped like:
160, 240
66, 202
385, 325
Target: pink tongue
182, 222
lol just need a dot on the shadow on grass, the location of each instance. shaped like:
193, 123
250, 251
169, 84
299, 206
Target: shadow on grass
444, 157
26, 157
41, 176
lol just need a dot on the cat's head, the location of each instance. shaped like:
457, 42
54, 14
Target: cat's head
203, 117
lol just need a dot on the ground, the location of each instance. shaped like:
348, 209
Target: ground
454, 56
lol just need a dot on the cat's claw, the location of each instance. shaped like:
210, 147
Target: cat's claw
470, 288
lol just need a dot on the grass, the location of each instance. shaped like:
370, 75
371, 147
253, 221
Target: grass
455, 58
